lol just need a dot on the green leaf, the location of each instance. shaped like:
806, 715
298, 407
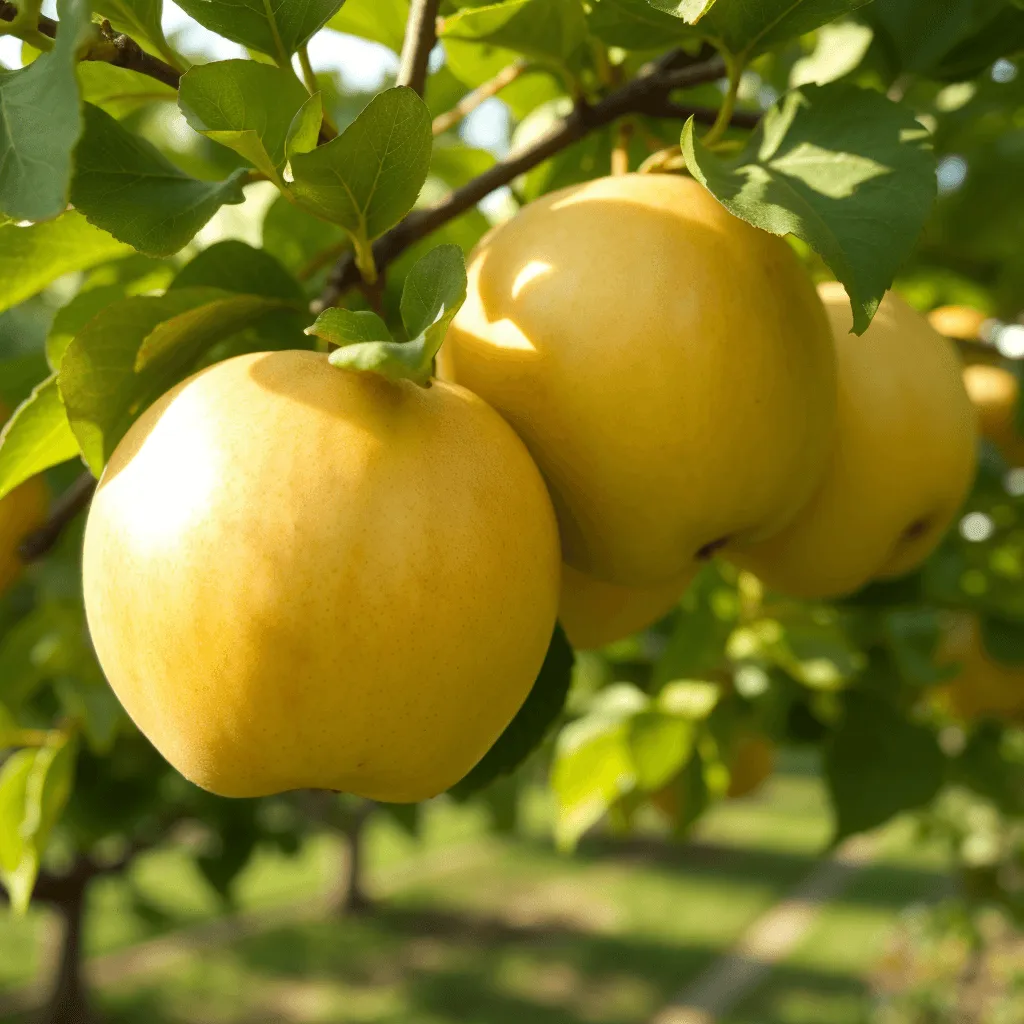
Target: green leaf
34, 788
97, 375
70, 319
35, 438
817, 653
237, 267
747, 29
141, 19
27, 650
300, 240
89, 701
993, 766
304, 130
277, 29
532, 722
552, 31
138, 275
690, 11
692, 795
952, 41
40, 123
8, 727
692, 699
368, 178
124, 185
33, 257
913, 635
178, 343
697, 643
457, 164
137, 349
838, 50
365, 346
246, 106
353, 327
635, 25
18, 376
879, 765
592, 769
380, 21
1003, 639
844, 169
120, 91
435, 289
434, 292
659, 745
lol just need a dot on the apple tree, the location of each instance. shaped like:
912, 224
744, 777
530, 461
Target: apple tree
162, 213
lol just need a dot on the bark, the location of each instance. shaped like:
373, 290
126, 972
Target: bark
356, 899
69, 1001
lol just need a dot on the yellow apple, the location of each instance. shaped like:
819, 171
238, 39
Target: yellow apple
668, 366
301, 576
903, 460
957, 321
594, 613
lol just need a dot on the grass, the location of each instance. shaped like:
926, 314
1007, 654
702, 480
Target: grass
478, 929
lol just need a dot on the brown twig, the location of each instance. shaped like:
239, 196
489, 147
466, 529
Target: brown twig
420, 37
472, 100
65, 509
620, 153
110, 47
645, 94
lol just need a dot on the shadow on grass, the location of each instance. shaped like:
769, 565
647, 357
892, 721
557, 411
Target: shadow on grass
795, 995
881, 885
425, 965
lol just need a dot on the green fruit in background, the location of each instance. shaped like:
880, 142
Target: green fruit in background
299, 576
668, 366
903, 460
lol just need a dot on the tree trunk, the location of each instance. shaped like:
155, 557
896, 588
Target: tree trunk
69, 1003
356, 899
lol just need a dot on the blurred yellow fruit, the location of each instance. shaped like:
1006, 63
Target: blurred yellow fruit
903, 461
594, 613
21, 512
983, 686
300, 576
751, 763
957, 321
668, 366
995, 393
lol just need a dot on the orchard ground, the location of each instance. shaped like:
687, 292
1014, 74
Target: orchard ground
471, 926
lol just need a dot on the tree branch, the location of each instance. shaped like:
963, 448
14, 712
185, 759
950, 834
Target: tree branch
472, 100
111, 47
65, 509
420, 37
646, 94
